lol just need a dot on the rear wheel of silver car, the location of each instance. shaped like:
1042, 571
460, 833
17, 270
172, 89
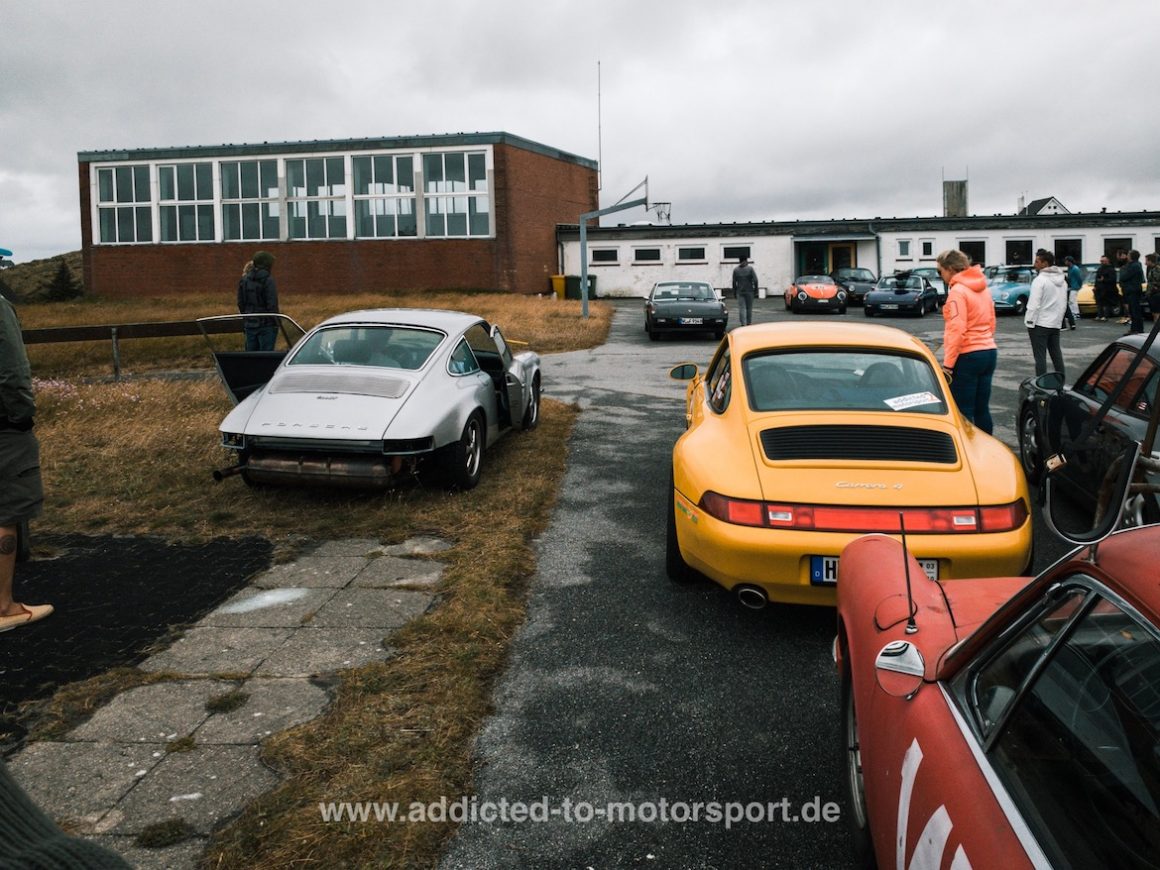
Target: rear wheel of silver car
532, 411
675, 565
1030, 455
857, 819
465, 457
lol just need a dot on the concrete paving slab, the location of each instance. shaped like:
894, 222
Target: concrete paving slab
153, 714
420, 546
348, 547
311, 650
312, 571
203, 787
371, 608
218, 650
77, 783
182, 856
274, 704
387, 572
270, 608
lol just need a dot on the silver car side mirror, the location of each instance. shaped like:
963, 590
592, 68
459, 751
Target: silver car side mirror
900, 669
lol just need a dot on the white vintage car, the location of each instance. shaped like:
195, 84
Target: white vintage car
369, 396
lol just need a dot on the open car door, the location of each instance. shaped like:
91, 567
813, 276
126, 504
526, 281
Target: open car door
245, 371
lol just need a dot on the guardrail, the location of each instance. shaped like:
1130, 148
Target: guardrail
115, 332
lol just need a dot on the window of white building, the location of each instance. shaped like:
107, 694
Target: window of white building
904, 249
646, 255
691, 255
604, 256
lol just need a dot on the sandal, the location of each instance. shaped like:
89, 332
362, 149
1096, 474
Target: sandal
31, 613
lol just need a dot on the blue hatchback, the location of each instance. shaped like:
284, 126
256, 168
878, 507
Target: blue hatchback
1010, 287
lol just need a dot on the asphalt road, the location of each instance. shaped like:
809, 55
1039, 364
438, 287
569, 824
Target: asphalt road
669, 702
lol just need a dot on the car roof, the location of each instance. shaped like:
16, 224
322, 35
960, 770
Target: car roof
1129, 558
859, 336
435, 318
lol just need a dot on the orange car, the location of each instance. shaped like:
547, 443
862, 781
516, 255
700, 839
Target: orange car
804, 435
816, 293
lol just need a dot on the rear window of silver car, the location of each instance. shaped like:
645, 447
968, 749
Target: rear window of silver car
374, 346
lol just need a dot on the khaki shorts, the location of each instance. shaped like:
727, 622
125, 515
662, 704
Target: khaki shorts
21, 492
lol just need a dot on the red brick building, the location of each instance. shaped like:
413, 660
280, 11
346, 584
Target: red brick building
464, 212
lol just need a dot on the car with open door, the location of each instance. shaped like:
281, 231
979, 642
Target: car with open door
368, 397
1107, 407
1010, 721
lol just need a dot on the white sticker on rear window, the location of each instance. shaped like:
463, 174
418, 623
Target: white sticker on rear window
901, 403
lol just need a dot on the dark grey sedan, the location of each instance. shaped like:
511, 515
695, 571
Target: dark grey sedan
684, 306
901, 293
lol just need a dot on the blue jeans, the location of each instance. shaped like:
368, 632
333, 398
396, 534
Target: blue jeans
971, 386
260, 337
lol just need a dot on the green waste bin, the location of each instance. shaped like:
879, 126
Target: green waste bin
572, 287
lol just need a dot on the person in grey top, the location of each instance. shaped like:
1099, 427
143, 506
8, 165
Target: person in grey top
745, 287
21, 495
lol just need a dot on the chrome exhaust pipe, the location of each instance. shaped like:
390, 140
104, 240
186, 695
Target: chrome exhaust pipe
753, 597
221, 474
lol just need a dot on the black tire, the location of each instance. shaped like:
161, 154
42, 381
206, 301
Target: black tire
654, 335
1020, 306
719, 334
788, 307
532, 411
1030, 445
857, 819
921, 308
842, 310
867, 311
463, 460
675, 565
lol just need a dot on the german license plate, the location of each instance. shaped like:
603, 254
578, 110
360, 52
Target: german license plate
692, 321
824, 569
890, 307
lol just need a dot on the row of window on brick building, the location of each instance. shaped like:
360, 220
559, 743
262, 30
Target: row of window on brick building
443, 194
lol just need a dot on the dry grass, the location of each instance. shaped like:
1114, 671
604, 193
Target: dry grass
546, 324
135, 457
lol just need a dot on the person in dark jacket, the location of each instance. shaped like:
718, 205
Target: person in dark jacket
257, 294
745, 287
1152, 270
1132, 285
21, 492
1106, 292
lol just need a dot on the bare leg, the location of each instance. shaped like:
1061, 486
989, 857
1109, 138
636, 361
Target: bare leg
7, 568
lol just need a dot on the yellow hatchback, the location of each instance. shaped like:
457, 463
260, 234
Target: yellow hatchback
803, 436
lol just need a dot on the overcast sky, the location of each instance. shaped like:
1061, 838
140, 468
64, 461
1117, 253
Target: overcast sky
735, 110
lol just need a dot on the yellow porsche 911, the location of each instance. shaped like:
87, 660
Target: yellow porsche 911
803, 436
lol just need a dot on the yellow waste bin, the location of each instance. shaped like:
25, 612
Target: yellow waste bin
558, 286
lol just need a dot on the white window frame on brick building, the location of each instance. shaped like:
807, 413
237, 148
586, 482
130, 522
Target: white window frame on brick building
250, 200
185, 196
124, 211
443, 193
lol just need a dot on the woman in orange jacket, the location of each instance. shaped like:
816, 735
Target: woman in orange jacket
969, 350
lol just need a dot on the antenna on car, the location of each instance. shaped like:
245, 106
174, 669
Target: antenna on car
911, 625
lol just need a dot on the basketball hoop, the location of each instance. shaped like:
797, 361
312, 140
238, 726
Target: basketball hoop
664, 211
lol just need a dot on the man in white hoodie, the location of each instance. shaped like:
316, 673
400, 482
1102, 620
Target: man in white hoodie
1045, 308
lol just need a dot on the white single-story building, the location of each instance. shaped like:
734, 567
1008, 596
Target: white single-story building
627, 260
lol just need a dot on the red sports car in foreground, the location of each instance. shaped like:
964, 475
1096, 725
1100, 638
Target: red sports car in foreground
1004, 722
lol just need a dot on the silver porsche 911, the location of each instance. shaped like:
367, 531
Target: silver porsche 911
369, 396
